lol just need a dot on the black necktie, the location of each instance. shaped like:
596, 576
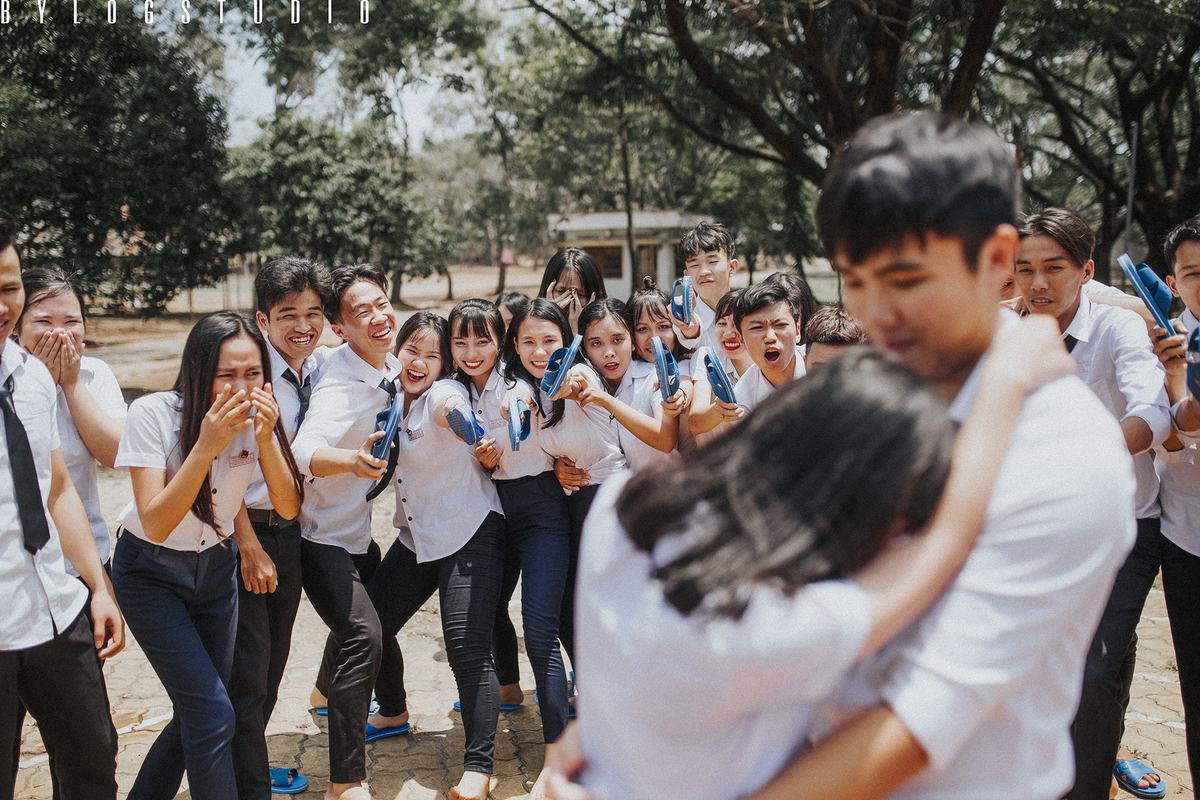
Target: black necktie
304, 390
24, 475
393, 451
1070, 341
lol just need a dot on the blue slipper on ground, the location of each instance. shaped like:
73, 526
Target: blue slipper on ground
323, 711
287, 781
503, 706
570, 708
1129, 773
374, 733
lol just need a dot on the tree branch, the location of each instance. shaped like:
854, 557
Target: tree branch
883, 59
979, 41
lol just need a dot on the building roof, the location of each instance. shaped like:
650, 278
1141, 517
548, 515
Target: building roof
612, 223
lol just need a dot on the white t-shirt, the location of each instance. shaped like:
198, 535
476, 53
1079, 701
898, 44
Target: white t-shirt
753, 387
637, 390
586, 434
40, 598
443, 493
1179, 476
151, 439
677, 706
989, 677
81, 464
530, 458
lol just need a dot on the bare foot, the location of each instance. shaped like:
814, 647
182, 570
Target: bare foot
380, 721
347, 791
316, 699
511, 694
1149, 780
472, 786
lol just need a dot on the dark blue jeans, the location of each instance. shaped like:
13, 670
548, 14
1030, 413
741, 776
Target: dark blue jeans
539, 527
468, 587
579, 503
182, 608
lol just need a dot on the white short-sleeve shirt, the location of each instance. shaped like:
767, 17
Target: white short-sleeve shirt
341, 413
530, 458
587, 435
637, 390
1179, 481
752, 388
989, 677
152, 439
443, 493
677, 706
81, 464
40, 597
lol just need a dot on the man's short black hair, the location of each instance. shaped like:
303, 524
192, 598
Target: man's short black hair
287, 276
8, 233
345, 277
758, 297
1184, 232
917, 174
707, 237
833, 326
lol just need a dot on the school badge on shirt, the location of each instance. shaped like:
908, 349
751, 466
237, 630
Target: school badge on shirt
413, 435
241, 459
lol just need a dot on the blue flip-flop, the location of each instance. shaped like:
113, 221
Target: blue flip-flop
503, 706
668, 369
324, 710
519, 422
1128, 773
681, 308
719, 381
388, 421
374, 733
559, 365
287, 781
465, 426
570, 708
1136, 279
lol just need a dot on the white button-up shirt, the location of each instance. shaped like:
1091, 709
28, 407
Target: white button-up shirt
753, 387
341, 413
151, 439
1179, 476
81, 464
39, 596
1117, 362
989, 677
720, 704
287, 396
443, 493
587, 435
637, 390
530, 459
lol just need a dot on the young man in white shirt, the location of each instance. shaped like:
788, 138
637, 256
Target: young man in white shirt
51, 636
290, 293
768, 325
708, 255
1117, 362
1179, 474
337, 554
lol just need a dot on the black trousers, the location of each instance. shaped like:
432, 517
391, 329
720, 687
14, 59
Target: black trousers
579, 503
335, 582
61, 685
1181, 588
505, 647
264, 639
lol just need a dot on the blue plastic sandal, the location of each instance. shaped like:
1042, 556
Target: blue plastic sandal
388, 421
465, 426
374, 733
519, 422
1129, 773
681, 308
503, 706
668, 370
287, 781
719, 381
559, 365
1150, 288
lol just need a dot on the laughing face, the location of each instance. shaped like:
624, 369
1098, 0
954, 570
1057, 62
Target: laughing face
474, 352
368, 322
537, 340
607, 345
1049, 278
770, 337
420, 362
294, 326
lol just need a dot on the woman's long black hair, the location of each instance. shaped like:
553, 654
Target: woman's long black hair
198, 373
428, 322
654, 300
473, 318
598, 310
538, 308
572, 259
810, 486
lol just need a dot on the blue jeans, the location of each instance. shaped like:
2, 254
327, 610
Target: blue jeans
182, 608
535, 513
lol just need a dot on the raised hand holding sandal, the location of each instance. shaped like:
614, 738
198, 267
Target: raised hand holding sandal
519, 422
681, 308
668, 369
719, 381
1151, 295
465, 426
559, 365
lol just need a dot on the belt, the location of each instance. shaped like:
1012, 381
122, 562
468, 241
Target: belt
266, 516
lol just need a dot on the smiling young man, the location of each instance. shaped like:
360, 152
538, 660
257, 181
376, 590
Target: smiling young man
765, 318
707, 252
1117, 362
337, 554
290, 292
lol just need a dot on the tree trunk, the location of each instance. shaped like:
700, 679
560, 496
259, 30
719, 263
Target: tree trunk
627, 191
445, 270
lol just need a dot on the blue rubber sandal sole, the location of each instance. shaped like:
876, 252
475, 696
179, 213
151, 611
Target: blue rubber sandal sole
1129, 772
291, 779
374, 734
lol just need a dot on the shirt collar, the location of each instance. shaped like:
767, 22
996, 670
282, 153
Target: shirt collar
1189, 320
368, 374
1081, 325
13, 358
279, 365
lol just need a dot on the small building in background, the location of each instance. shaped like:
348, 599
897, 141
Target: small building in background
603, 236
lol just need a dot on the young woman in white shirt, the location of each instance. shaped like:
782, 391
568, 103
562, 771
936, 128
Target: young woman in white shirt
721, 599
451, 541
91, 409
535, 508
191, 454
582, 439
707, 412
648, 425
650, 309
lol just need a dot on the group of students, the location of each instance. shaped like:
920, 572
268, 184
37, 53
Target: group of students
771, 557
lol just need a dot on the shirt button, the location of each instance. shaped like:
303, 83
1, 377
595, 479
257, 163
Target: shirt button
399, 481
214, 491
202, 543
410, 519
403, 499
